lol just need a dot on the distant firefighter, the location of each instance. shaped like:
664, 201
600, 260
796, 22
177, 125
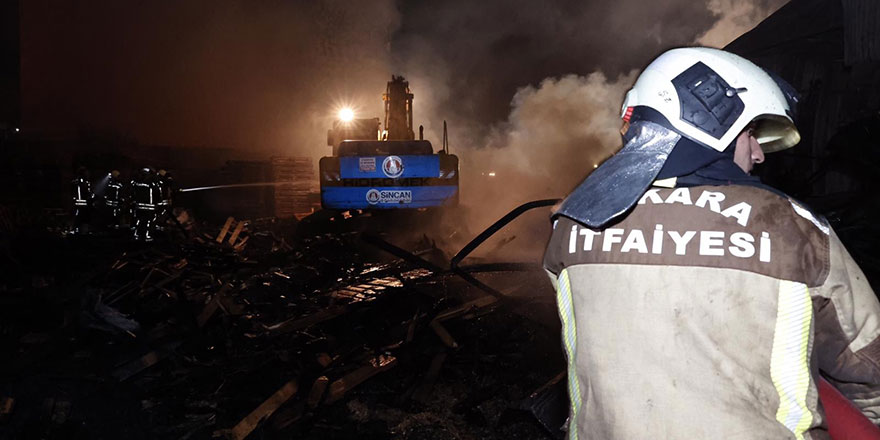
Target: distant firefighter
145, 197
82, 201
167, 188
114, 199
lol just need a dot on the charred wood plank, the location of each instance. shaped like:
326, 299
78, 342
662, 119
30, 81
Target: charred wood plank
443, 334
423, 393
225, 230
212, 306
235, 233
401, 253
7, 404
144, 362
293, 324
317, 391
351, 380
454, 312
261, 413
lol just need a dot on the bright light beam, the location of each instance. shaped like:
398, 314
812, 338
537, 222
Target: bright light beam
346, 114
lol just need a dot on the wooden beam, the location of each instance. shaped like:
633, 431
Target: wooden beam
261, 413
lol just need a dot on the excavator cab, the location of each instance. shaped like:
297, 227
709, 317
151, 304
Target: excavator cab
390, 169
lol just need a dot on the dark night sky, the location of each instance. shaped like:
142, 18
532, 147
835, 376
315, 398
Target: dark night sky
266, 76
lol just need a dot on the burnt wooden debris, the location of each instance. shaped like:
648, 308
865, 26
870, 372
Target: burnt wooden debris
244, 329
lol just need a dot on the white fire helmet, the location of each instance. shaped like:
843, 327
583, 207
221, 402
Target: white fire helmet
710, 96
700, 95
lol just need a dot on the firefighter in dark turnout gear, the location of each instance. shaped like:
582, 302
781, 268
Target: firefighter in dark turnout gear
82, 201
145, 196
167, 188
697, 302
114, 199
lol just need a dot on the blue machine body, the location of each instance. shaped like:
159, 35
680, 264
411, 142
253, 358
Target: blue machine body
388, 175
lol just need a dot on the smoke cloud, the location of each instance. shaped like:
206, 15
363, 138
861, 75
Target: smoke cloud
559, 128
735, 18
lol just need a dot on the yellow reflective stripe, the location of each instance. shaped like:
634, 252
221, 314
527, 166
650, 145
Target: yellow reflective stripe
569, 339
790, 361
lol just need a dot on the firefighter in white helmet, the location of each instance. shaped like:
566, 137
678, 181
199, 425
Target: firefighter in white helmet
697, 302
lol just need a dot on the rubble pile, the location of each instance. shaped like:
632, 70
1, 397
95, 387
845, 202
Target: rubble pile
240, 331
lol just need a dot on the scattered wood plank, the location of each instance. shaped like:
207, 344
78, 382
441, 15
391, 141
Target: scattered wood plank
469, 307
348, 382
144, 362
423, 393
286, 416
241, 244
292, 325
212, 306
161, 284
208, 311
443, 334
229, 306
317, 391
411, 328
238, 228
262, 412
225, 230
180, 264
119, 293
7, 404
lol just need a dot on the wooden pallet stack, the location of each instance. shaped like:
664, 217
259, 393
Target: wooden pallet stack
293, 199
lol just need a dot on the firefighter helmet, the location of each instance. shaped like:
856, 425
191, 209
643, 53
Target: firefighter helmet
689, 95
710, 96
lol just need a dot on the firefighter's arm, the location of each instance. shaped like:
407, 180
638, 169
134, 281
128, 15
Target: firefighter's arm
847, 329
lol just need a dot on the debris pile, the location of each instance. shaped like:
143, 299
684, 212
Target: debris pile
240, 332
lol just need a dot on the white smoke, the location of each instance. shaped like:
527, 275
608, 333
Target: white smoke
554, 135
573, 117
735, 18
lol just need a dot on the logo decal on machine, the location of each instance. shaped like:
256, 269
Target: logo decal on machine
374, 196
392, 166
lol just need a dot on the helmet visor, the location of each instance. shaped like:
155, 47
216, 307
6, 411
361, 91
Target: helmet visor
775, 133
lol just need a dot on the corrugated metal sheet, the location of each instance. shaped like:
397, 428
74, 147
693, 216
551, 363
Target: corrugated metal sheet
861, 31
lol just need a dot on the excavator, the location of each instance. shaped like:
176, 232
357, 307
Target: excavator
372, 168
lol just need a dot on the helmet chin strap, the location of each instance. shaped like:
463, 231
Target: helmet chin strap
613, 188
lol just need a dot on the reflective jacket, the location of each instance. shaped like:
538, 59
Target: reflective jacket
82, 192
113, 193
707, 312
145, 194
